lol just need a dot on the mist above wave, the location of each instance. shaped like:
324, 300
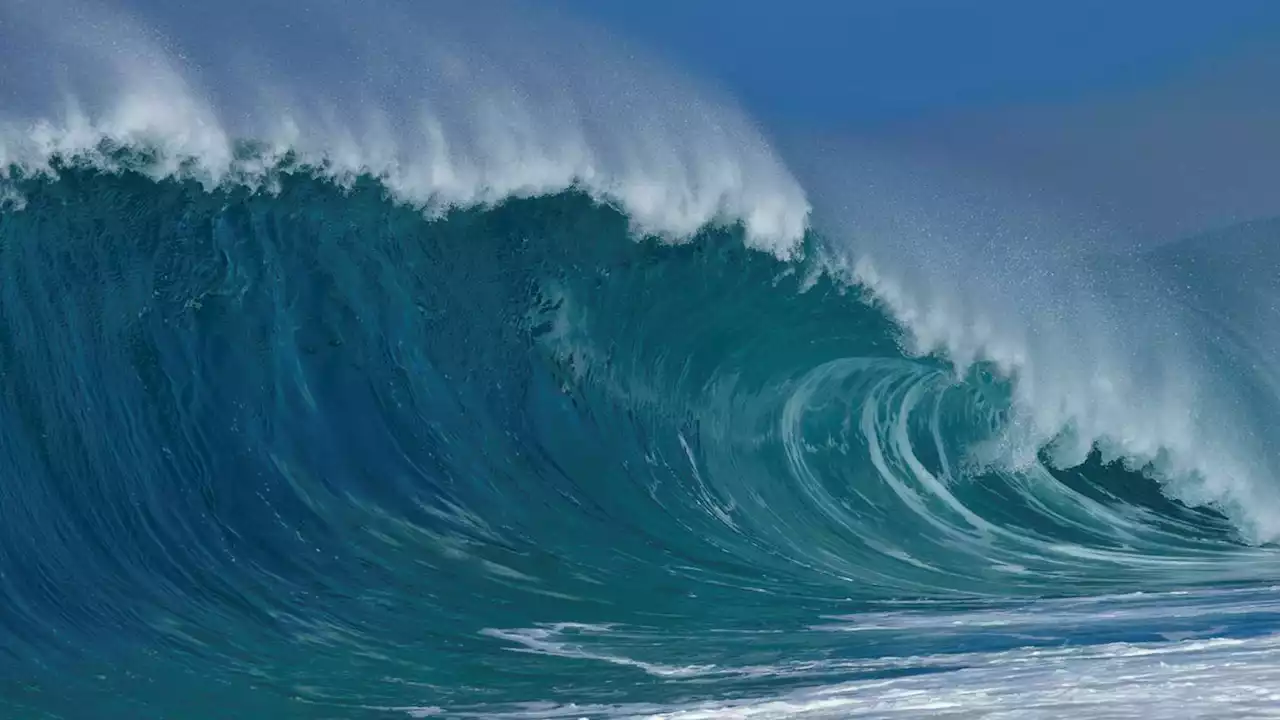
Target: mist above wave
448, 105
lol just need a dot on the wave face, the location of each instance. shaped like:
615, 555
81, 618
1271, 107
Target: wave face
492, 389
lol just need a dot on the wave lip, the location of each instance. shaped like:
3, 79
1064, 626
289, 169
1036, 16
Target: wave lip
449, 113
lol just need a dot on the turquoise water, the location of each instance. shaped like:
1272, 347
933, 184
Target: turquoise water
389, 384
311, 454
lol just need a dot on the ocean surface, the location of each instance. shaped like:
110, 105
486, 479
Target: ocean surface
404, 380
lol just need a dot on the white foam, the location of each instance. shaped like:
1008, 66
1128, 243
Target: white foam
1072, 398
444, 113
1195, 673
557, 639
1191, 679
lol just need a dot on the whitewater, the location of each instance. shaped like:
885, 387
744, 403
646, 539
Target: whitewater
462, 361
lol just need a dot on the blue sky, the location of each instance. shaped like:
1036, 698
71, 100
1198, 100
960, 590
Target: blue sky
1154, 118
863, 61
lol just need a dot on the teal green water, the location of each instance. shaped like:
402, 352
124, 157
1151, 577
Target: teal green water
455, 360
310, 454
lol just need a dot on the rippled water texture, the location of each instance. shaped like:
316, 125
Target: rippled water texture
405, 369
307, 454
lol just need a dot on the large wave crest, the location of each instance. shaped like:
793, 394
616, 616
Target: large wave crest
447, 105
